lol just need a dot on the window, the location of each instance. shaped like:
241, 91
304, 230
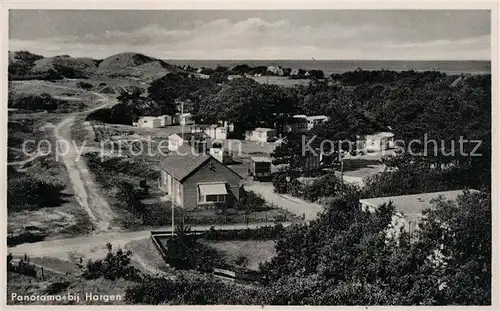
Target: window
212, 193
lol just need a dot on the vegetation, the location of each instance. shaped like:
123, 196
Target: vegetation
23, 266
115, 265
43, 101
29, 192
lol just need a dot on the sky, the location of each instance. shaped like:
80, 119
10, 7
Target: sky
271, 34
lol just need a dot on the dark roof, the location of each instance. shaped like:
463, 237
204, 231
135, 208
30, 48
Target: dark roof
194, 136
181, 166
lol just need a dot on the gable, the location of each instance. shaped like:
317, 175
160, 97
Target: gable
213, 171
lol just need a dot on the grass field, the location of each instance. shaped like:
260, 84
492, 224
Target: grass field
248, 254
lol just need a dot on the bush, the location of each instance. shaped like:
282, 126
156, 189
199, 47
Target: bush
22, 267
262, 233
191, 290
252, 202
114, 266
184, 252
57, 287
43, 101
28, 192
324, 186
84, 85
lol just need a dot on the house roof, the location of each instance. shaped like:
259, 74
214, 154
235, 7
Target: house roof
321, 117
263, 129
188, 136
260, 159
414, 204
182, 166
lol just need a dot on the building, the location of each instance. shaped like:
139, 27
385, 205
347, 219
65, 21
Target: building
184, 118
198, 181
153, 122
221, 155
229, 126
198, 141
312, 121
409, 208
296, 124
262, 134
260, 167
378, 142
213, 131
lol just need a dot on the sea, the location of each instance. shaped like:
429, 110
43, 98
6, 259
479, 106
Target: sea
451, 67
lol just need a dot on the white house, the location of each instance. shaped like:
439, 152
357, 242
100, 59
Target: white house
378, 141
184, 118
223, 156
261, 134
409, 208
314, 120
152, 122
196, 140
212, 130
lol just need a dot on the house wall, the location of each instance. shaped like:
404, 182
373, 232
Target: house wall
169, 185
205, 175
261, 136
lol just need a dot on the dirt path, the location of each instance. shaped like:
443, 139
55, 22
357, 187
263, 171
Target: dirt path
85, 190
294, 205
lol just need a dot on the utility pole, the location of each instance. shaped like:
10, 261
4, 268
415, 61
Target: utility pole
341, 155
173, 212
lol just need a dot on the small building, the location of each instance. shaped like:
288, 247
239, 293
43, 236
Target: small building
198, 181
213, 131
296, 124
312, 121
184, 118
260, 167
262, 134
378, 142
153, 122
198, 141
409, 208
229, 126
221, 155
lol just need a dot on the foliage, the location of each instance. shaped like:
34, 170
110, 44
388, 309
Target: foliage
261, 233
115, 265
129, 198
43, 101
22, 267
325, 186
184, 252
346, 257
190, 289
252, 202
84, 85
57, 287
29, 192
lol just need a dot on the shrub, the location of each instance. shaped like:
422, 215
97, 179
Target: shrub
22, 267
84, 85
191, 290
43, 101
57, 287
324, 186
184, 252
261, 233
115, 265
252, 202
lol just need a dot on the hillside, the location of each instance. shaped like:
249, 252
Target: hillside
25, 65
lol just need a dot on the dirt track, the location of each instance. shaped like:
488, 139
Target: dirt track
85, 190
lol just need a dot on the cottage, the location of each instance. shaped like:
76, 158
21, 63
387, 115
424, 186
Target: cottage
184, 118
378, 142
211, 130
262, 134
221, 155
198, 181
296, 124
260, 167
312, 121
198, 141
153, 122
409, 208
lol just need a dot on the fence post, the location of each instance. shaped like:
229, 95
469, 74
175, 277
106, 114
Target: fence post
43, 276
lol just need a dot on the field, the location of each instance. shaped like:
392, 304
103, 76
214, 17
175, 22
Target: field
248, 254
283, 81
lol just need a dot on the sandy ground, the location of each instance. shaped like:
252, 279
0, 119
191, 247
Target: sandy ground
86, 192
294, 205
255, 252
